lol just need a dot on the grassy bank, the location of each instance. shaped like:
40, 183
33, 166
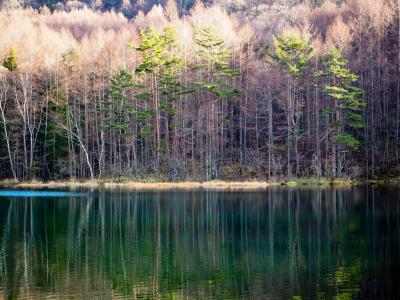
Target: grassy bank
140, 185
215, 184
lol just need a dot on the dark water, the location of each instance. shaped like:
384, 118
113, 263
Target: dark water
276, 244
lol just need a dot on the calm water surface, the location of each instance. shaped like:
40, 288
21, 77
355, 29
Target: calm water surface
277, 244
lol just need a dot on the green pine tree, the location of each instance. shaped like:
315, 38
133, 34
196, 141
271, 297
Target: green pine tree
163, 66
10, 62
345, 112
215, 64
216, 78
117, 109
293, 53
348, 104
160, 83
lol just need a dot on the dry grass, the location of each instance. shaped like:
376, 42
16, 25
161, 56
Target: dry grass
191, 185
8, 182
55, 184
186, 185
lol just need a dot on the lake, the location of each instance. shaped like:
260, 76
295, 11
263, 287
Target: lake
280, 243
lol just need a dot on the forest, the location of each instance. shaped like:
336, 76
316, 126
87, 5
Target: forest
231, 90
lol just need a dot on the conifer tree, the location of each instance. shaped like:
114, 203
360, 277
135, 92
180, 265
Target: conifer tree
162, 85
215, 63
346, 111
293, 53
123, 118
215, 74
10, 62
117, 108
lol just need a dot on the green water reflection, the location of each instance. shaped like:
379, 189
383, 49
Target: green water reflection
275, 244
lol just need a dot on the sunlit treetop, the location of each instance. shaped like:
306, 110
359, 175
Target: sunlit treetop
293, 52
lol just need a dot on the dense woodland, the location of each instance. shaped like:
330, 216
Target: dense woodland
178, 91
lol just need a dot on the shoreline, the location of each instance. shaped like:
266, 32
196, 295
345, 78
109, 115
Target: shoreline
193, 185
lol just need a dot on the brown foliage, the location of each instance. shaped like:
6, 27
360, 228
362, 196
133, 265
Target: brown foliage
365, 30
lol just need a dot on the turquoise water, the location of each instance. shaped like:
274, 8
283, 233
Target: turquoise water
27, 193
277, 244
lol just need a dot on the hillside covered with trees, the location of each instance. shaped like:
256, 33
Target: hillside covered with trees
182, 90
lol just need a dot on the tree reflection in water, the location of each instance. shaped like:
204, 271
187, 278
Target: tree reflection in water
281, 243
